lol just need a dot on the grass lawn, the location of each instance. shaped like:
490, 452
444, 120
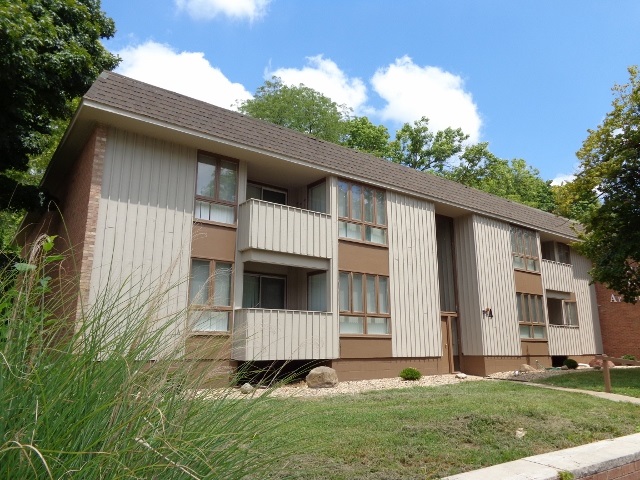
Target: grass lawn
625, 381
433, 432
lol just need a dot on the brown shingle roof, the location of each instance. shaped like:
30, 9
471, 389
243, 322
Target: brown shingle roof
116, 91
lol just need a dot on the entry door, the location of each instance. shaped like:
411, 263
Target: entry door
450, 347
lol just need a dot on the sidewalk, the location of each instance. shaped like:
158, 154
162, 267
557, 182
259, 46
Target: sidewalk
614, 397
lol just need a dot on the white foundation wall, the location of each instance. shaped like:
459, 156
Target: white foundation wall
415, 296
144, 225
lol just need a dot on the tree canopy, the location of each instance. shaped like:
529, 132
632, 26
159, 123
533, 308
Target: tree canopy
418, 147
50, 53
610, 166
443, 152
297, 107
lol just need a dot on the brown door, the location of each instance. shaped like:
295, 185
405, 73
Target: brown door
450, 347
446, 344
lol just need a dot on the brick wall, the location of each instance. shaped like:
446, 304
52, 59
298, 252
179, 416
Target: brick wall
619, 322
630, 471
73, 221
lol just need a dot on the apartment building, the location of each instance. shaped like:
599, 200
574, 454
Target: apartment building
285, 247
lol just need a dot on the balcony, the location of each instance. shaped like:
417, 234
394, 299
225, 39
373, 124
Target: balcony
261, 334
557, 276
280, 228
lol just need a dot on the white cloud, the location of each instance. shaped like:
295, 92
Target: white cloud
323, 75
237, 9
411, 92
563, 178
189, 73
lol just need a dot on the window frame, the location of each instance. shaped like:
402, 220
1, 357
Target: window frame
216, 161
519, 237
567, 322
266, 275
263, 187
211, 292
362, 223
524, 318
365, 314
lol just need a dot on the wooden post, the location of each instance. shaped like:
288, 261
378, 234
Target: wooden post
607, 377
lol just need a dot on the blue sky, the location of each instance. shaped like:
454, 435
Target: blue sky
528, 77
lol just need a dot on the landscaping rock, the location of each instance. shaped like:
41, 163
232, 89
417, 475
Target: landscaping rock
527, 368
564, 367
246, 388
597, 363
322, 377
461, 375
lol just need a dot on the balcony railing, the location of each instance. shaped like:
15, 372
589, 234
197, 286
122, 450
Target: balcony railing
557, 276
260, 334
564, 340
280, 228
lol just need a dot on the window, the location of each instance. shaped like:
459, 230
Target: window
317, 292
530, 316
210, 295
524, 245
562, 312
556, 252
264, 291
268, 194
364, 304
317, 197
362, 212
216, 189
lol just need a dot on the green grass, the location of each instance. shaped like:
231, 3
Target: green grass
433, 432
625, 381
85, 403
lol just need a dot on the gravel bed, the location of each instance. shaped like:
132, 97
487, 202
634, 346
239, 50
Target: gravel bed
359, 386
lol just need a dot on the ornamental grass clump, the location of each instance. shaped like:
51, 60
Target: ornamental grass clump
86, 400
410, 374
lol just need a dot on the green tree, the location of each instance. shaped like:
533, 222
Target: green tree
299, 108
360, 134
50, 53
416, 146
610, 165
513, 180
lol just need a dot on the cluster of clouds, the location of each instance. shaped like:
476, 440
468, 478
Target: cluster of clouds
402, 90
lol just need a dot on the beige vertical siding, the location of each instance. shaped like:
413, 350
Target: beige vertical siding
283, 335
588, 320
468, 295
556, 276
143, 235
415, 297
280, 228
496, 286
333, 273
485, 279
564, 340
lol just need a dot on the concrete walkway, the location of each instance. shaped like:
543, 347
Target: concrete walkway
614, 397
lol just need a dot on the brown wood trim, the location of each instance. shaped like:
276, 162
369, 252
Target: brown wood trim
363, 258
213, 241
365, 346
528, 282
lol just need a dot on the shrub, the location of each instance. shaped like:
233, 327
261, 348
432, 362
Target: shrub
86, 399
410, 374
570, 363
629, 357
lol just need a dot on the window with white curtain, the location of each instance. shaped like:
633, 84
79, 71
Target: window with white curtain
362, 212
210, 295
216, 189
364, 304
